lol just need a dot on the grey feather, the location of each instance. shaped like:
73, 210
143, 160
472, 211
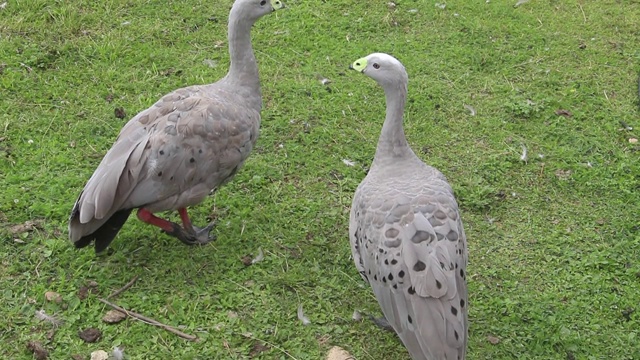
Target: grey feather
192, 140
406, 234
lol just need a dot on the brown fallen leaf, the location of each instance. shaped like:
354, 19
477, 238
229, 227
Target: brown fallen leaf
633, 140
90, 335
53, 297
493, 340
39, 352
78, 357
338, 353
114, 317
565, 113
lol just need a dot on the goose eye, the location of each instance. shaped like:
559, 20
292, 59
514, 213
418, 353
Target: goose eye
376, 66
263, 2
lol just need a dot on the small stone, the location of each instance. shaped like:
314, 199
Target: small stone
99, 355
114, 317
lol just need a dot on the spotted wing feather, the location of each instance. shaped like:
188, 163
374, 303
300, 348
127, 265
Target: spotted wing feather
410, 245
167, 157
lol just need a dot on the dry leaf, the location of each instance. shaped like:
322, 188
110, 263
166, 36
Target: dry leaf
565, 113
493, 340
114, 316
338, 353
633, 141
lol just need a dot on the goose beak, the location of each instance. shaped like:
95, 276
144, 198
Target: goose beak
277, 5
359, 65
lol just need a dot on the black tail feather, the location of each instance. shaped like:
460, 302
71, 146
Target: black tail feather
105, 234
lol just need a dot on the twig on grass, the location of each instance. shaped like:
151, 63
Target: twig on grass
122, 289
151, 321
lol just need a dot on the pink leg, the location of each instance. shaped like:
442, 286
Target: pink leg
146, 216
186, 222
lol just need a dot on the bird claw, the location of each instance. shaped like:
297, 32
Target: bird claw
198, 236
382, 322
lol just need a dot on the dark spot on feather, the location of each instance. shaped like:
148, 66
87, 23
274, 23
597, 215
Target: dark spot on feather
192, 160
440, 215
384, 279
401, 273
461, 303
375, 277
411, 290
462, 273
456, 265
161, 152
442, 265
386, 262
454, 311
200, 151
419, 266
438, 284
455, 333
160, 173
391, 233
452, 235
395, 286
390, 277
381, 250
369, 271
171, 178
440, 237
409, 319
394, 261
420, 236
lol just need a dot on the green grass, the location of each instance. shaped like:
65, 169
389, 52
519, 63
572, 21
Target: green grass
554, 241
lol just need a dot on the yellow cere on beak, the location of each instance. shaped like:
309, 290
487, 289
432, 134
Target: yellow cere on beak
359, 65
277, 4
